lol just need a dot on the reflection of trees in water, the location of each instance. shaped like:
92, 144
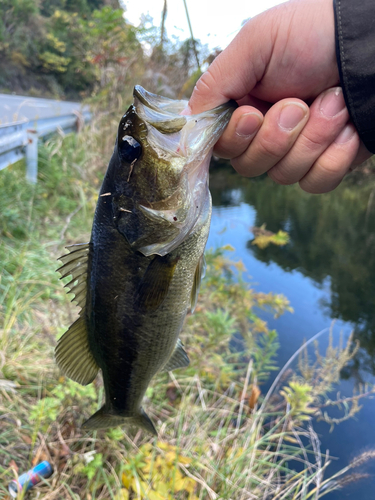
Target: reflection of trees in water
224, 183
331, 236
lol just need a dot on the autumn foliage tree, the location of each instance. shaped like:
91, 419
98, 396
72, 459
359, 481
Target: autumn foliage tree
62, 47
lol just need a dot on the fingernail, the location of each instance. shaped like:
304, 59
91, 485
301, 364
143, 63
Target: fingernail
332, 102
291, 115
346, 134
248, 124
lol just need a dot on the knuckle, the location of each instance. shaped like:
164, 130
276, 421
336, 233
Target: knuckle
206, 93
332, 165
313, 143
273, 147
241, 167
223, 149
319, 185
209, 80
246, 167
205, 82
310, 187
278, 175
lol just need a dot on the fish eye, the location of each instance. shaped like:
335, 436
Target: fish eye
129, 149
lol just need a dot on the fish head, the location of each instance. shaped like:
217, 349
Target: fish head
160, 170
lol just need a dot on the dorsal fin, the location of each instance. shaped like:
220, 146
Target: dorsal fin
199, 275
178, 359
75, 265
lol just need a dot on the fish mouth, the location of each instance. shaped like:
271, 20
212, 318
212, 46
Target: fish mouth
159, 112
189, 135
180, 146
172, 106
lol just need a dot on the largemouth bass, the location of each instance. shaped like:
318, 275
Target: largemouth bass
140, 273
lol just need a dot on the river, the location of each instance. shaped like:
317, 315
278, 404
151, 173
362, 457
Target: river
327, 271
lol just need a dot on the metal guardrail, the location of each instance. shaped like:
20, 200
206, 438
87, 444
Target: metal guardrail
20, 139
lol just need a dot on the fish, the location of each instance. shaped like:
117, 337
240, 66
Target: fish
139, 275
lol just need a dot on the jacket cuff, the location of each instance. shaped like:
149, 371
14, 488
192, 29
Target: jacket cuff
355, 52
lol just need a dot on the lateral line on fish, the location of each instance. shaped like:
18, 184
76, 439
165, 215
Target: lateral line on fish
131, 169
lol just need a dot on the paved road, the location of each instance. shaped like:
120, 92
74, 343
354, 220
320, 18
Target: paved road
16, 107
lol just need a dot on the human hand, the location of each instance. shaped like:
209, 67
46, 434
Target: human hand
280, 61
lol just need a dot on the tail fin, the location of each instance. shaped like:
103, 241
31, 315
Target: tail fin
103, 419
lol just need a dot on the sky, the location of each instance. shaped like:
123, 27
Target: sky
214, 22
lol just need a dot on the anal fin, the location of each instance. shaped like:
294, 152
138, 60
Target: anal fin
178, 359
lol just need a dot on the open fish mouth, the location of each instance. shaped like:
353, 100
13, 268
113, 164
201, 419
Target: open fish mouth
189, 135
184, 143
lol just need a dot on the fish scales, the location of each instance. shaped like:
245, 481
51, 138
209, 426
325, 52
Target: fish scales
131, 332
140, 273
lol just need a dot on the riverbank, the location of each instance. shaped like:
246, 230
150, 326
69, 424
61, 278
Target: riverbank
220, 433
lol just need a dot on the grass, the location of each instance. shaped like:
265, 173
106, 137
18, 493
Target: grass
220, 435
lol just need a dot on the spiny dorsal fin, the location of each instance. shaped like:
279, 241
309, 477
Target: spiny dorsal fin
178, 359
73, 355
154, 284
199, 275
75, 265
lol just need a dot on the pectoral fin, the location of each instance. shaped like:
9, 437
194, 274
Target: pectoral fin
154, 285
199, 275
178, 359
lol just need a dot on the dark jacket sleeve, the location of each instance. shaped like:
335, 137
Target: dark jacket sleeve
355, 50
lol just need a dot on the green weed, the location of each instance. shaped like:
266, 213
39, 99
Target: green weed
220, 434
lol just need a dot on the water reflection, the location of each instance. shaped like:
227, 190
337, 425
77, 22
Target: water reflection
332, 239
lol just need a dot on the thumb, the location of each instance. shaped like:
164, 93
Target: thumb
235, 72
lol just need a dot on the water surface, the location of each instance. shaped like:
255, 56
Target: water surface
327, 271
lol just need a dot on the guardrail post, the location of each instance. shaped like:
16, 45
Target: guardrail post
32, 156
18, 141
